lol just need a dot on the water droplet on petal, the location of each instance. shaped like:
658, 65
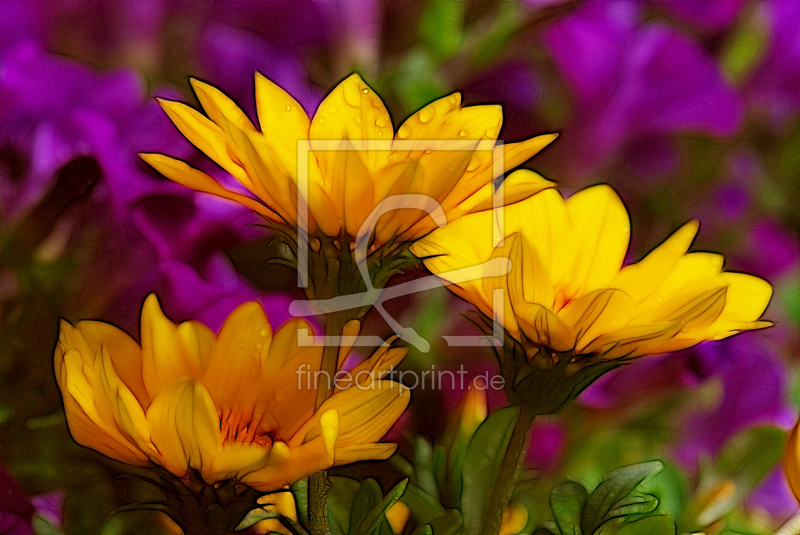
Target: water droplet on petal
625, 229
381, 122
403, 132
365, 91
321, 121
474, 163
279, 395
463, 133
426, 115
264, 331
358, 119
288, 108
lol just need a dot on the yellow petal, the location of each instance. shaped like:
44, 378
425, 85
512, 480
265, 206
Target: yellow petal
597, 313
544, 328
90, 415
602, 230
633, 341
545, 223
365, 413
329, 425
364, 452
171, 352
203, 134
125, 354
233, 374
641, 279
184, 427
299, 462
190, 177
218, 106
351, 111
397, 516
235, 460
518, 186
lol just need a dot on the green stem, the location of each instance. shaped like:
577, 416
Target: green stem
318, 483
509, 471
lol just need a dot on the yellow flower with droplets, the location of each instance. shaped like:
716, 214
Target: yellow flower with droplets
239, 404
569, 291
350, 158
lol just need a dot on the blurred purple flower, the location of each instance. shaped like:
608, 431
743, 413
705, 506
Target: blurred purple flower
546, 444
167, 237
711, 16
776, 84
635, 80
754, 393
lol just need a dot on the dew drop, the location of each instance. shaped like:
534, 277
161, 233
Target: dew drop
259, 345
241, 345
263, 331
280, 395
625, 229
288, 108
381, 122
463, 133
365, 91
403, 132
426, 115
358, 119
322, 121
474, 163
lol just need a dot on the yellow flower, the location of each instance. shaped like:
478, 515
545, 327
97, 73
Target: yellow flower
568, 290
236, 405
351, 157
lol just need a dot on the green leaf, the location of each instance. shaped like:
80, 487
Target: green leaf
365, 500
649, 525
376, 517
341, 495
448, 523
482, 465
635, 504
300, 492
441, 27
254, 517
749, 456
615, 486
423, 467
567, 500
422, 505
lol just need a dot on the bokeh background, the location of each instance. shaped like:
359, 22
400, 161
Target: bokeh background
689, 109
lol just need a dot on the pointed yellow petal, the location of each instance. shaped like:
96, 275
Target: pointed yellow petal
170, 352
203, 134
352, 111
188, 176
219, 106
640, 280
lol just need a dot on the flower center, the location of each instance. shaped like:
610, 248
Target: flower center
243, 427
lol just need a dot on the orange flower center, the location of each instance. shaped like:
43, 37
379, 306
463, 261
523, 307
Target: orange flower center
243, 428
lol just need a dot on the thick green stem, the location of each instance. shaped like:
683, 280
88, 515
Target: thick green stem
318, 483
509, 472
